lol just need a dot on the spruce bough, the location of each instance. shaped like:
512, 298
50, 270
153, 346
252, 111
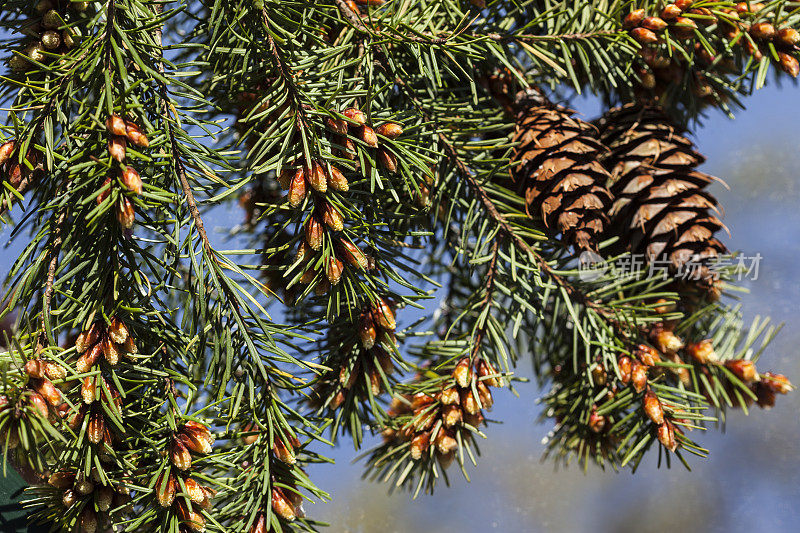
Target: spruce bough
420, 210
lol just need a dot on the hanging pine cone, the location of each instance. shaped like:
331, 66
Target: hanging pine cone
559, 171
661, 209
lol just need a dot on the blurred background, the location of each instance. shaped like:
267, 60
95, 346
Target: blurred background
751, 481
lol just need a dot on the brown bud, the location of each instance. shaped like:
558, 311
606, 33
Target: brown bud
389, 130
88, 521
644, 36
282, 506
116, 147
195, 443
633, 19
135, 135
367, 135
785, 36
765, 397
652, 408
297, 188
110, 352
349, 148
129, 347
199, 430
777, 382
450, 396
334, 270
38, 404
6, 149
624, 364
746, 8
316, 177
35, 368
702, 352
638, 376
337, 181
62, 479
283, 451
683, 4
125, 213
419, 445
596, 422
88, 389
683, 28
763, 31
180, 455
117, 330
384, 315
352, 254
332, 217
486, 369
87, 338
54, 371
666, 436
789, 64
260, 525
49, 392
96, 427
463, 373
116, 125
285, 178
666, 341
367, 332
647, 355
89, 359
103, 497
468, 402
355, 115
314, 233
451, 415
387, 160
670, 12
445, 442
105, 192
165, 489
132, 180
653, 23
599, 374
485, 395
743, 369
194, 490
337, 125
191, 519
69, 498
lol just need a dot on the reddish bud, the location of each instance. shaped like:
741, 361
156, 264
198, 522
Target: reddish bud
702, 352
334, 270
338, 126
389, 130
776, 382
684, 28
194, 490
666, 436
89, 359
88, 520
451, 415
191, 519
337, 181
644, 36
789, 64
367, 135
485, 395
367, 332
88, 389
282, 506
285, 178
116, 147
638, 376
384, 315
670, 12
352, 254
135, 135
103, 498
165, 490
387, 160
49, 392
666, 341
54, 371
110, 352
652, 408
332, 217
683, 4
786, 37
35, 368
419, 445
38, 404
763, 31
633, 19
647, 355
743, 369
104, 193
297, 188
115, 125
118, 331
596, 422
485, 369
316, 177
6, 149
87, 338
132, 180
95, 428
180, 455
355, 115
62, 479
445, 442
314, 233
125, 213
463, 373
653, 23
449, 396
469, 402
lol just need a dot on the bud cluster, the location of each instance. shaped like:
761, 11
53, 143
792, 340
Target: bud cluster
442, 422
175, 481
362, 360
97, 499
121, 133
52, 33
746, 25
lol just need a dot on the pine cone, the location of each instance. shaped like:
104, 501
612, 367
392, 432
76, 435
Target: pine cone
560, 173
660, 209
